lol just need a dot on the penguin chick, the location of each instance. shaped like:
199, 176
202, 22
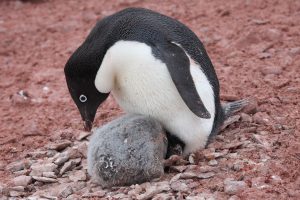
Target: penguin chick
152, 65
126, 151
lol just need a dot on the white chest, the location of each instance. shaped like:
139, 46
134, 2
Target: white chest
140, 83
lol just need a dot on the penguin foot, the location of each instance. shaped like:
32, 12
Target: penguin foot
175, 145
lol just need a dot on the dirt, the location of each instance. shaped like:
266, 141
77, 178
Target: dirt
254, 46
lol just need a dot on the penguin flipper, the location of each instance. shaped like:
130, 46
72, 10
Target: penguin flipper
178, 65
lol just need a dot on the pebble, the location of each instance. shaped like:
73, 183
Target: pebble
22, 180
73, 153
179, 186
17, 188
233, 187
44, 179
192, 158
213, 162
77, 175
271, 70
82, 135
261, 118
259, 182
39, 168
68, 165
154, 189
252, 106
98, 194
65, 192
15, 166
295, 50
246, 118
22, 172
272, 34
59, 146
83, 148
49, 174
15, 193
62, 159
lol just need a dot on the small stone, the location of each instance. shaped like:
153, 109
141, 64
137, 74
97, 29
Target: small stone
44, 179
67, 191
82, 135
22, 172
17, 188
246, 118
295, 50
62, 159
73, 153
83, 148
275, 179
15, 166
259, 182
261, 118
38, 154
234, 197
271, 70
179, 186
15, 193
77, 175
262, 140
192, 158
59, 146
97, 194
154, 189
252, 106
264, 55
69, 165
272, 34
233, 187
237, 166
49, 174
213, 162
22, 180
39, 168
180, 168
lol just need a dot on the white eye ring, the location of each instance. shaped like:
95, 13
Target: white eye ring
82, 98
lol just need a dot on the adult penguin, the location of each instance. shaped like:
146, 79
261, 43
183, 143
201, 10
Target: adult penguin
153, 65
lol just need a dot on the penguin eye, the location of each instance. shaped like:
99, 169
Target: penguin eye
82, 98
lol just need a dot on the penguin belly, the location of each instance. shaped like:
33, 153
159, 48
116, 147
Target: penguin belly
143, 85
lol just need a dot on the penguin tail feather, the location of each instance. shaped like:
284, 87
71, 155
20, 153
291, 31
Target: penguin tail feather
232, 107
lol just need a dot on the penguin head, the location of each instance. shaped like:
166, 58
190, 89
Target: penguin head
80, 72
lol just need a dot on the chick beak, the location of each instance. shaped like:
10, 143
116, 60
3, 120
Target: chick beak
88, 125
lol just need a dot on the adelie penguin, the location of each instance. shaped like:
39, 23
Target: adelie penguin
152, 65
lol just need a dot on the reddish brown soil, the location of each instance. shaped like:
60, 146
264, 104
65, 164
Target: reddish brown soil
254, 45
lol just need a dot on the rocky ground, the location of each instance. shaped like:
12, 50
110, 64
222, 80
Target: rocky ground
255, 47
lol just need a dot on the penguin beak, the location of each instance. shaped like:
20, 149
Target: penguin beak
88, 125
88, 115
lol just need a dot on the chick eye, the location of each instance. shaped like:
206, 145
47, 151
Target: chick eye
82, 98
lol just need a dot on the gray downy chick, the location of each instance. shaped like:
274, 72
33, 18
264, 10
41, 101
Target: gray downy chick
126, 151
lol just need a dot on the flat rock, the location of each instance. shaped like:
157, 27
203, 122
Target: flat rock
69, 165
66, 191
60, 145
77, 175
22, 180
15, 166
126, 151
271, 70
82, 135
44, 179
39, 168
234, 187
